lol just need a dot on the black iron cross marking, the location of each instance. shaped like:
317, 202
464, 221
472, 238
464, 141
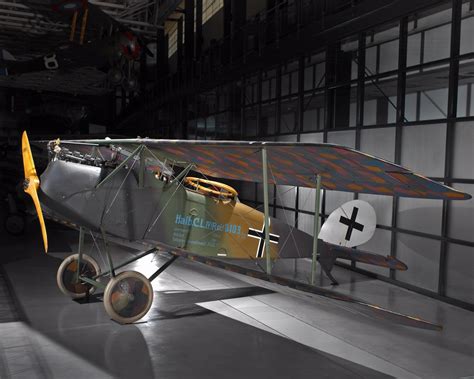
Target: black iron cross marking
260, 235
351, 223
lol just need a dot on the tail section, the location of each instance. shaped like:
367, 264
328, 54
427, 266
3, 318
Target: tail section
350, 225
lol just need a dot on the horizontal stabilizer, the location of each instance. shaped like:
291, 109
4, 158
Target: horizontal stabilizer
364, 257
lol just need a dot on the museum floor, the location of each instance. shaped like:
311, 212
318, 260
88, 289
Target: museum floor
208, 323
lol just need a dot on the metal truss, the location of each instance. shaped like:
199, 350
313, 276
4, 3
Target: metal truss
22, 21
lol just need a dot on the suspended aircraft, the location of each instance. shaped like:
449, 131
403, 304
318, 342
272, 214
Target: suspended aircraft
166, 194
113, 48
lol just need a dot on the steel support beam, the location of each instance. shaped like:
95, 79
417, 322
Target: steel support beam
300, 113
199, 37
161, 54
189, 37
450, 131
260, 131
314, 259
239, 18
317, 34
400, 112
179, 47
227, 20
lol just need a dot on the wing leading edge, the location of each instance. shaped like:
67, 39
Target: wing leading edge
296, 164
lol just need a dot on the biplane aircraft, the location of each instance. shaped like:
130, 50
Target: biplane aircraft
159, 192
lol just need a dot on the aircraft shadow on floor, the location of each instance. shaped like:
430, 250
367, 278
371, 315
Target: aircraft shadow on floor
173, 305
178, 304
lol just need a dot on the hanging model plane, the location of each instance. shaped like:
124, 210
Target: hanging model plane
114, 53
142, 190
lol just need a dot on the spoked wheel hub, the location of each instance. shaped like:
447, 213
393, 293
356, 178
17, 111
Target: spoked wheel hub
128, 297
67, 278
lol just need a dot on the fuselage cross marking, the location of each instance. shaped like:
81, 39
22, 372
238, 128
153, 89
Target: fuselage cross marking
260, 235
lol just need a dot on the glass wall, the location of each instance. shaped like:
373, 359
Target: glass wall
401, 91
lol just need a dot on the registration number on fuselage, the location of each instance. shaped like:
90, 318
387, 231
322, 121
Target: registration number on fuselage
201, 223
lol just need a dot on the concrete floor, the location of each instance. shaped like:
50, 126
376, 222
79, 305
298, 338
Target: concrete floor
206, 322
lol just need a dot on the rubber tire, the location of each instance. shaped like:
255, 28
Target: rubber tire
109, 308
62, 268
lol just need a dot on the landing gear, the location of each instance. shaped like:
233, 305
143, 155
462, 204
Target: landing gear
68, 276
128, 297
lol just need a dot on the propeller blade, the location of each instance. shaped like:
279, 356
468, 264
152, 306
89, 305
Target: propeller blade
31, 190
28, 163
32, 183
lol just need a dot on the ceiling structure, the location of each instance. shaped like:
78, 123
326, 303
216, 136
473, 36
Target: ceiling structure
32, 28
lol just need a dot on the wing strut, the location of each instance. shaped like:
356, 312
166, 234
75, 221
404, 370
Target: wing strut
266, 210
316, 229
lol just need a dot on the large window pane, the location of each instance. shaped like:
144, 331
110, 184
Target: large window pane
423, 149
380, 101
421, 215
427, 94
250, 125
467, 31
414, 49
388, 56
379, 244
288, 116
421, 255
382, 205
268, 119
465, 88
437, 43
463, 152
313, 112
459, 280
461, 217
344, 138
379, 142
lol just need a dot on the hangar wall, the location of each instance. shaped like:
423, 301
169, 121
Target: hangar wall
401, 91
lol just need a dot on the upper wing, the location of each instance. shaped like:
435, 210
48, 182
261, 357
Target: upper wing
341, 168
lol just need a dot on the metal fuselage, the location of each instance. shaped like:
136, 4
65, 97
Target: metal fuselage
160, 211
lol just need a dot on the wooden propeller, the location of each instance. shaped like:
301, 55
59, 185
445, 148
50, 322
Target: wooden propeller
32, 183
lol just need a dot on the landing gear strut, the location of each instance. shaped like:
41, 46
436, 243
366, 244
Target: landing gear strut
127, 296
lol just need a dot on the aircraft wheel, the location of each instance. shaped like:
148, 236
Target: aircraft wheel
15, 224
128, 297
115, 76
66, 276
